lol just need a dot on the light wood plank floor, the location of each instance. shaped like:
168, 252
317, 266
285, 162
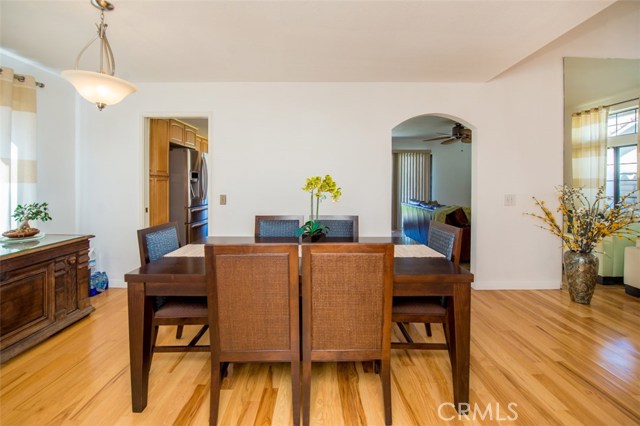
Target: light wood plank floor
560, 362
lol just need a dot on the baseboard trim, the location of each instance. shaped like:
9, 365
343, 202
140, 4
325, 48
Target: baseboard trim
632, 291
609, 280
516, 285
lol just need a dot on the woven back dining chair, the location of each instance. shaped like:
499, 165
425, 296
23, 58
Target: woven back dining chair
254, 311
277, 226
346, 310
446, 240
153, 243
341, 226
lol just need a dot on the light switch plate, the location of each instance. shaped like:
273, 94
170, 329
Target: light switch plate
509, 200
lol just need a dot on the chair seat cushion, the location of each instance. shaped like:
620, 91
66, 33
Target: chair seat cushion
430, 306
184, 307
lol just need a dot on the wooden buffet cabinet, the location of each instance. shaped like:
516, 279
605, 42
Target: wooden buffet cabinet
44, 287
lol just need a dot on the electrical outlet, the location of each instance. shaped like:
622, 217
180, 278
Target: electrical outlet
509, 200
223, 199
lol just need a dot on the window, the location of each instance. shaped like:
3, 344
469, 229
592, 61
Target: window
623, 122
411, 179
622, 171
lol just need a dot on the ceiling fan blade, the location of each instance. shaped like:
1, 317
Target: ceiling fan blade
448, 141
465, 139
437, 138
465, 132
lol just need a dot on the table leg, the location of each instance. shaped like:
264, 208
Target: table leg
459, 326
140, 323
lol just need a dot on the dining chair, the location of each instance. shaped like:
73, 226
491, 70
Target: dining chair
277, 226
346, 310
153, 243
340, 226
254, 311
446, 240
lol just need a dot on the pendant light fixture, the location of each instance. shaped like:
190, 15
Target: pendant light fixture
100, 88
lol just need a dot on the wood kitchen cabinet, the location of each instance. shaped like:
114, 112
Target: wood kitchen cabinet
176, 132
159, 147
202, 144
44, 287
158, 200
182, 134
190, 136
159, 137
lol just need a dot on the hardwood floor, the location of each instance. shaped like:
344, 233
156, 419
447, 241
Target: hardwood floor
560, 362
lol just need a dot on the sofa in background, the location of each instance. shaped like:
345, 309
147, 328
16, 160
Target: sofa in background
416, 216
611, 256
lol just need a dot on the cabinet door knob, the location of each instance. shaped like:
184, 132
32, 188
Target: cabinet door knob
71, 260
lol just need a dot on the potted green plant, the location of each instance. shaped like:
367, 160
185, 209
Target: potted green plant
586, 223
318, 188
23, 214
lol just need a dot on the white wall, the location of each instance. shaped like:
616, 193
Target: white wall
451, 170
56, 151
266, 138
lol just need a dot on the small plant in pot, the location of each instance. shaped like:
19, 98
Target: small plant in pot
23, 214
318, 188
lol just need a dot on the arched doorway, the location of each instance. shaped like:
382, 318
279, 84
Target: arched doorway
432, 165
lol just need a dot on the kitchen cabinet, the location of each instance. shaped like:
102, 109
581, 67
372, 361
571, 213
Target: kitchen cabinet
159, 147
190, 136
158, 200
159, 136
182, 134
176, 132
44, 287
202, 144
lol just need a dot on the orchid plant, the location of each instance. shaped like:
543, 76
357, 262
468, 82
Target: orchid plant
318, 188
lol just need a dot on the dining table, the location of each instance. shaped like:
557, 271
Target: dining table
418, 271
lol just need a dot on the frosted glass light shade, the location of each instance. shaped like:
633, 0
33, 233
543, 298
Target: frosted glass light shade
100, 89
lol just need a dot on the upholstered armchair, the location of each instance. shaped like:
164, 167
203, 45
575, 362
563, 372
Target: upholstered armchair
611, 256
632, 269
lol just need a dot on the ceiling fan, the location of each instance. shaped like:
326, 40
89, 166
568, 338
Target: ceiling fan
458, 133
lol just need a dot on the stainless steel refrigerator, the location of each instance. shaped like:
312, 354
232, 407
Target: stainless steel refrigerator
188, 185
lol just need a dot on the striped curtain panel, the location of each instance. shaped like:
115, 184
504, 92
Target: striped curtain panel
589, 149
411, 171
18, 168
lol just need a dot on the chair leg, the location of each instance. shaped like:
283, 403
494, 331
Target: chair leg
306, 392
295, 391
214, 393
427, 327
404, 332
179, 329
198, 336
385, 377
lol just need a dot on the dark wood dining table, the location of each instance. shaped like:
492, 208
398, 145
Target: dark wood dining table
185, 276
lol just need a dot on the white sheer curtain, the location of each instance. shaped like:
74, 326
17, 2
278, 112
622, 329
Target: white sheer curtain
18, 166
589, 149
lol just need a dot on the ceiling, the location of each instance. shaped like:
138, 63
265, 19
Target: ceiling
294, 40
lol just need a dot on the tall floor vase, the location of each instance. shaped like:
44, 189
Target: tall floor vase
581, 271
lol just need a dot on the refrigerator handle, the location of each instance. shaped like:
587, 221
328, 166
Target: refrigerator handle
204, 178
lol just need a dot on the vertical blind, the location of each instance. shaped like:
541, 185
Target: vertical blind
411, 180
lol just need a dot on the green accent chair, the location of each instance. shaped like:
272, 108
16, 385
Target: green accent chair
610, 254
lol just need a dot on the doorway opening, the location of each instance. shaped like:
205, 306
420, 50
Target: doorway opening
177, 174
432, 172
